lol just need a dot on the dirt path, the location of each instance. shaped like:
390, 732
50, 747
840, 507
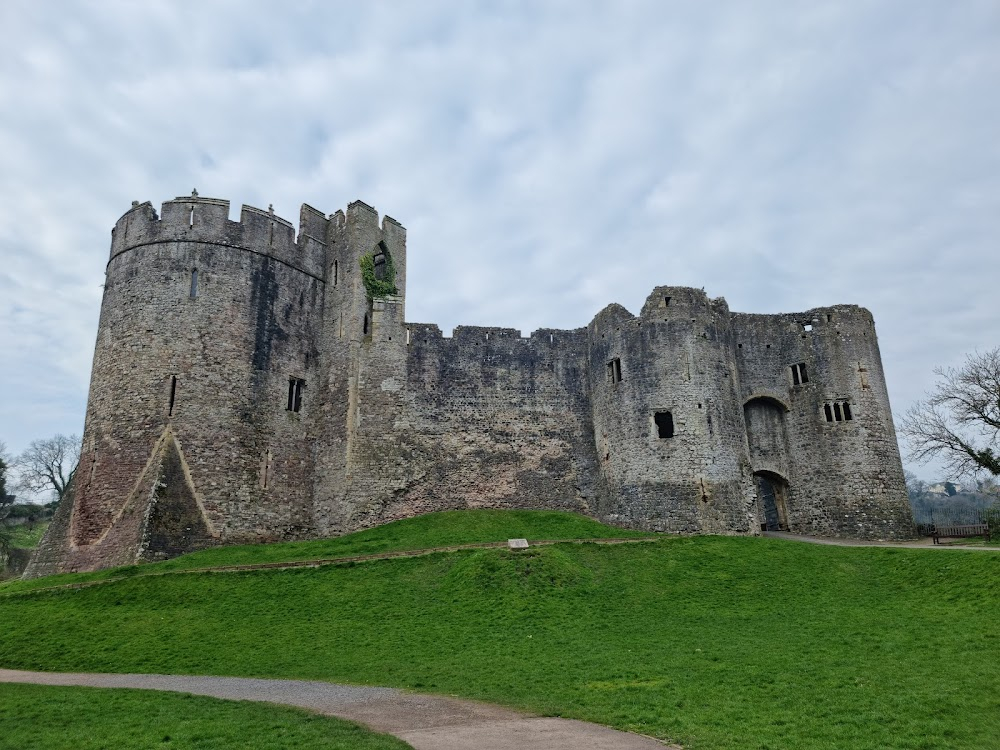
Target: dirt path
926, 543
426, 722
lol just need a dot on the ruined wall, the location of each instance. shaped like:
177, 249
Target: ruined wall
843, 468
203, 323
247, 388
485, 418
690, 474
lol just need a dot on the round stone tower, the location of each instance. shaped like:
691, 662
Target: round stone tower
198, 421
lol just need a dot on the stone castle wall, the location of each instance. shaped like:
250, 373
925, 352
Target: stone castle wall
686, 418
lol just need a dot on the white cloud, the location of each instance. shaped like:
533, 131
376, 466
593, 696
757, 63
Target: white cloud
547, 158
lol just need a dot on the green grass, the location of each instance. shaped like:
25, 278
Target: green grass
25, 537
444, 529
36, 717
710, 641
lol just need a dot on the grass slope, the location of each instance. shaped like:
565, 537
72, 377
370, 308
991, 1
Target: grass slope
27, 536
714, 642
444, 529
36, 717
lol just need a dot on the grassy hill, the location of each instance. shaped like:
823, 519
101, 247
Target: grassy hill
37, 717
714, 642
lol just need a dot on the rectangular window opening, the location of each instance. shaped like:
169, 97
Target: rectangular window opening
666, 301
807, 327
828, 410
847, 412
295, 387
194, 283
265, 469
615, 371
336, 272
836, 412
664, 424
799, 375
173, 395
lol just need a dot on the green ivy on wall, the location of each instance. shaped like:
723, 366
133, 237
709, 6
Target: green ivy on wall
377, 288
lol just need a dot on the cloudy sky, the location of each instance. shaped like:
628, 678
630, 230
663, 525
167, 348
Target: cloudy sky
547, 158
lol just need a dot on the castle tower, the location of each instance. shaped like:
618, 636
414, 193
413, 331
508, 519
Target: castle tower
363, 335
819, 427
198, 425
667, 418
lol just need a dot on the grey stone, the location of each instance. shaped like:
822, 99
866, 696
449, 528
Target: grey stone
669, 420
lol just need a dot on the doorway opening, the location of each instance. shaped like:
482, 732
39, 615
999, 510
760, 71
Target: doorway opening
772, 491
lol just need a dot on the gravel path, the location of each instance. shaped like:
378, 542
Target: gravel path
426, 722
925, 543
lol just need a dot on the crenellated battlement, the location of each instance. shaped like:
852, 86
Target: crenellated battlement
252, 382
200, 220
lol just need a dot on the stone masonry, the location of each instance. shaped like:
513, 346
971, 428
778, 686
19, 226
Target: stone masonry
246, 387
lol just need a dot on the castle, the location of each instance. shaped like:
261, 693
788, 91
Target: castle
251, 383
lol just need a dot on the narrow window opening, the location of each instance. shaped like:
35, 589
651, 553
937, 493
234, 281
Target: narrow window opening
829, 318
799, 375
847, 412
407, 336
828, 411
336, 272
837, 413
270, 239
666, 301
379, 261
365, 325
265, 469
615, 371
664, 424
194, 283
93, 468
550, 338
807, 327
295, 388
173, 395
191, 217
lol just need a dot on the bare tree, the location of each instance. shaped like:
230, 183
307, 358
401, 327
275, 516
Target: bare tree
5, 501
959, 423
49, 465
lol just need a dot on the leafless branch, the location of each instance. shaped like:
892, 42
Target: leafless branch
959, 423
49, 465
